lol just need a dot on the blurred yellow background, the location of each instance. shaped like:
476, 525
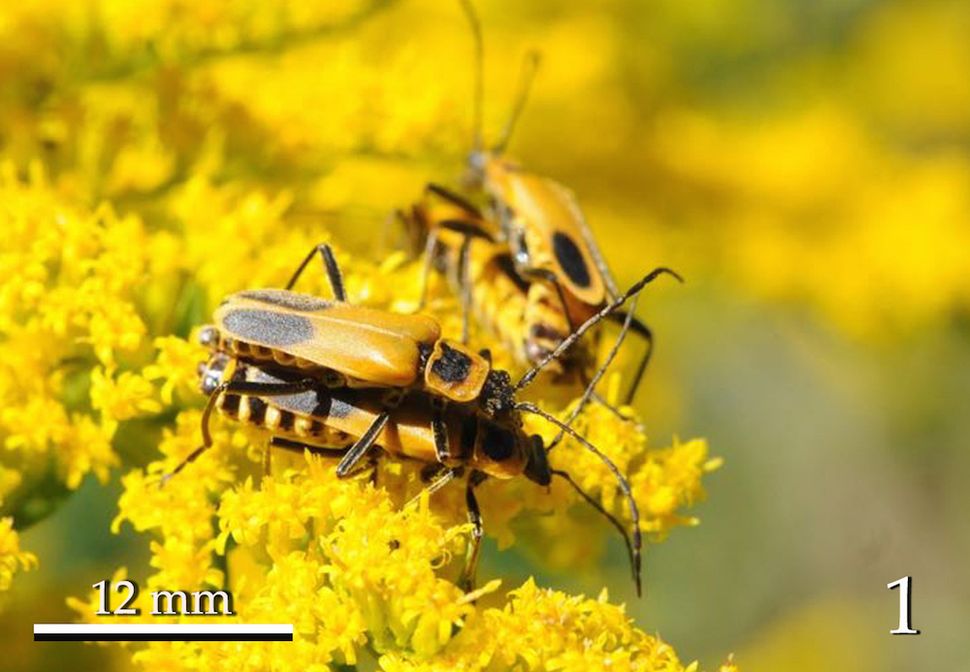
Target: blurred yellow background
803, 164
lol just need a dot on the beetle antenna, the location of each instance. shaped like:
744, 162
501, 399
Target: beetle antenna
479, 90
568, 342
637, 545
591, 385
529, 69
599, 507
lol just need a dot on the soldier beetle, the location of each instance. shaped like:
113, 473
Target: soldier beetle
341, 344
302, 413
345, 345
542, 245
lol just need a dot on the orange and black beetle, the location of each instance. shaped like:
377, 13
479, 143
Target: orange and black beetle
540, 244
302, 413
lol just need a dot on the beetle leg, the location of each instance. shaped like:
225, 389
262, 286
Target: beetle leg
360, 448
603, 313
464, 281
452, 197
236, 387
440, 432
430, 249
644, 332
550, 277
439, 478
372, 465
467, 580
590, 384
330, 267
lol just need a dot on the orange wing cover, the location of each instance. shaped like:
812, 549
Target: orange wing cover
554, 228
371, 345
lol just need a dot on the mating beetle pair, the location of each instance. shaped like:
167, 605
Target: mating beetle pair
322, 377
328, 376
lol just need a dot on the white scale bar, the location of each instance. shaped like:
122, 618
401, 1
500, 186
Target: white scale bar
162, 631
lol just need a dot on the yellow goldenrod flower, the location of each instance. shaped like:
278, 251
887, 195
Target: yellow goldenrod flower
188, 151
12, 559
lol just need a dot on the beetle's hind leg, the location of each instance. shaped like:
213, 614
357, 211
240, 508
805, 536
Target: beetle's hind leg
465, 284
589, 393
452, 197
330, 267
431, 248
646, 334
236, 387
467, 580
356, 452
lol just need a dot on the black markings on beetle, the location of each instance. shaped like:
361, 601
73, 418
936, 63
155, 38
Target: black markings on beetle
230, 404
498, 443
507, 266
571, 259
257, 410
469, 429
453, 366
545, 332
275, 329
284, 299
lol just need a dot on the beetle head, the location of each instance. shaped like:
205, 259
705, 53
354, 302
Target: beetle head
212, 372
208, 336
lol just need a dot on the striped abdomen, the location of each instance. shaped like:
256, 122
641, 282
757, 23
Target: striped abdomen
499, 302
264, 413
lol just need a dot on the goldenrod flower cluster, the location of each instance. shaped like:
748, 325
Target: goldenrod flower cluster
158, 159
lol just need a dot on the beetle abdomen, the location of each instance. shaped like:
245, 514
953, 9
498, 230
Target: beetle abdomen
263, 413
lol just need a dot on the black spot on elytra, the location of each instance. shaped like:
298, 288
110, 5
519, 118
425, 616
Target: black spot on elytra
570, 258
275, 329
498, 443
284, 299
453, 366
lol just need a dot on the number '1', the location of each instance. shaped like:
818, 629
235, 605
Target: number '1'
905, 586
